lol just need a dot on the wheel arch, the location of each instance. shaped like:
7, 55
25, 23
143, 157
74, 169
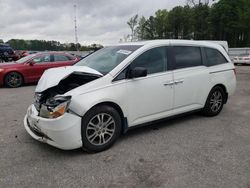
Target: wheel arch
119, 110
11, 72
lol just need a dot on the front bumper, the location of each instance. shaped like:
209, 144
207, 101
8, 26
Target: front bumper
63, 132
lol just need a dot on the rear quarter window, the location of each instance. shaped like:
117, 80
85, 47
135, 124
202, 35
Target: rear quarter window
60, 57
70, 57
214, 57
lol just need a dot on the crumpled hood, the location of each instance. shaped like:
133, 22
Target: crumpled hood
53, 76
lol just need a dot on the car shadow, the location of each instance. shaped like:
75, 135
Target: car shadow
161, 124
140, 130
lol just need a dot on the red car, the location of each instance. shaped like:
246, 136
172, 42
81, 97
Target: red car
29, 69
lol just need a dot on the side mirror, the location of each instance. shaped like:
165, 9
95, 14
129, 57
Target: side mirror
137, 72
31, 63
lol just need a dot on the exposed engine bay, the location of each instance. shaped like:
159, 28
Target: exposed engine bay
72, 81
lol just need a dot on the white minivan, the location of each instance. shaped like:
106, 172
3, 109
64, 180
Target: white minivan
90, 104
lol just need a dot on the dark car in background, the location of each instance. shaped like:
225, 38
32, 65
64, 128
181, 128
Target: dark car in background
23, 53
29, 69
7, 53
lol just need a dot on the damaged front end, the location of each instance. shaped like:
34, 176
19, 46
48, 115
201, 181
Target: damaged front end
50, 104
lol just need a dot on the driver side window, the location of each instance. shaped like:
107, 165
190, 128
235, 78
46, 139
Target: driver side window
154, 60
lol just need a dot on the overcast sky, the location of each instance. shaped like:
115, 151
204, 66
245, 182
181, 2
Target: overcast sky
98, 21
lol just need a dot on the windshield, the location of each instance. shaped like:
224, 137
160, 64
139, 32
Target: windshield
24, 59
106, 59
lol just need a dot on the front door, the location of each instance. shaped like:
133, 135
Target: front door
151, 97
41, 63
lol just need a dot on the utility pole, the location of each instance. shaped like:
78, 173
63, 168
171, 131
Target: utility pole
76, 38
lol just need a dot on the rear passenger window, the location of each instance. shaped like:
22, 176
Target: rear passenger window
214, 57
187, 56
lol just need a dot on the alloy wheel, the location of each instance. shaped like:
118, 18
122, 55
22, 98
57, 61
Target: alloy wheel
100, 129
216, 101
14, 79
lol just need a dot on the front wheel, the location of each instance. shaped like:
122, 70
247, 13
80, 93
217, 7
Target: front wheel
13, 79
101, 126
215, 102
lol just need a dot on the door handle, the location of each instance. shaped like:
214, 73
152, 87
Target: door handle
168, 84
179, 81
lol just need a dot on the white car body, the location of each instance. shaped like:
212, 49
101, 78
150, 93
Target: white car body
140, 100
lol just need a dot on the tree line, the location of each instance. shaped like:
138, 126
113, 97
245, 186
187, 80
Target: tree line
227, 20
42, 45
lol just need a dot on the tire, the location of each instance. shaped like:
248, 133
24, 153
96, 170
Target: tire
214, 102
96, 138
13, 80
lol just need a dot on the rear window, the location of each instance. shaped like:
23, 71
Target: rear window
214, 57
187, 56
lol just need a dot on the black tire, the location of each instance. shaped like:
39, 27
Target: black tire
214, 102
93, 134
13, 80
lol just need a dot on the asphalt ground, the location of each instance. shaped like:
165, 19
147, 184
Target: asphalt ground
191, 151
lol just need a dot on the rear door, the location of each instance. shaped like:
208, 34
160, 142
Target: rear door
62, 60
191, 78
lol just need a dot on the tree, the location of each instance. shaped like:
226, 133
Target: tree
175, 20
187, 22
132, 24
161, 24
230, 21
141, 29
201, 22
198, 2
221, 20
42, 45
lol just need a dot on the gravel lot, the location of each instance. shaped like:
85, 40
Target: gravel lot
192, 151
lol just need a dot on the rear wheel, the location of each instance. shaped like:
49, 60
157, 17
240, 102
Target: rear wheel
215, 102
101, 126
13, 79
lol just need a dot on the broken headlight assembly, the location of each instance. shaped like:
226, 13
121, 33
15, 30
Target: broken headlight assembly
55, 107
